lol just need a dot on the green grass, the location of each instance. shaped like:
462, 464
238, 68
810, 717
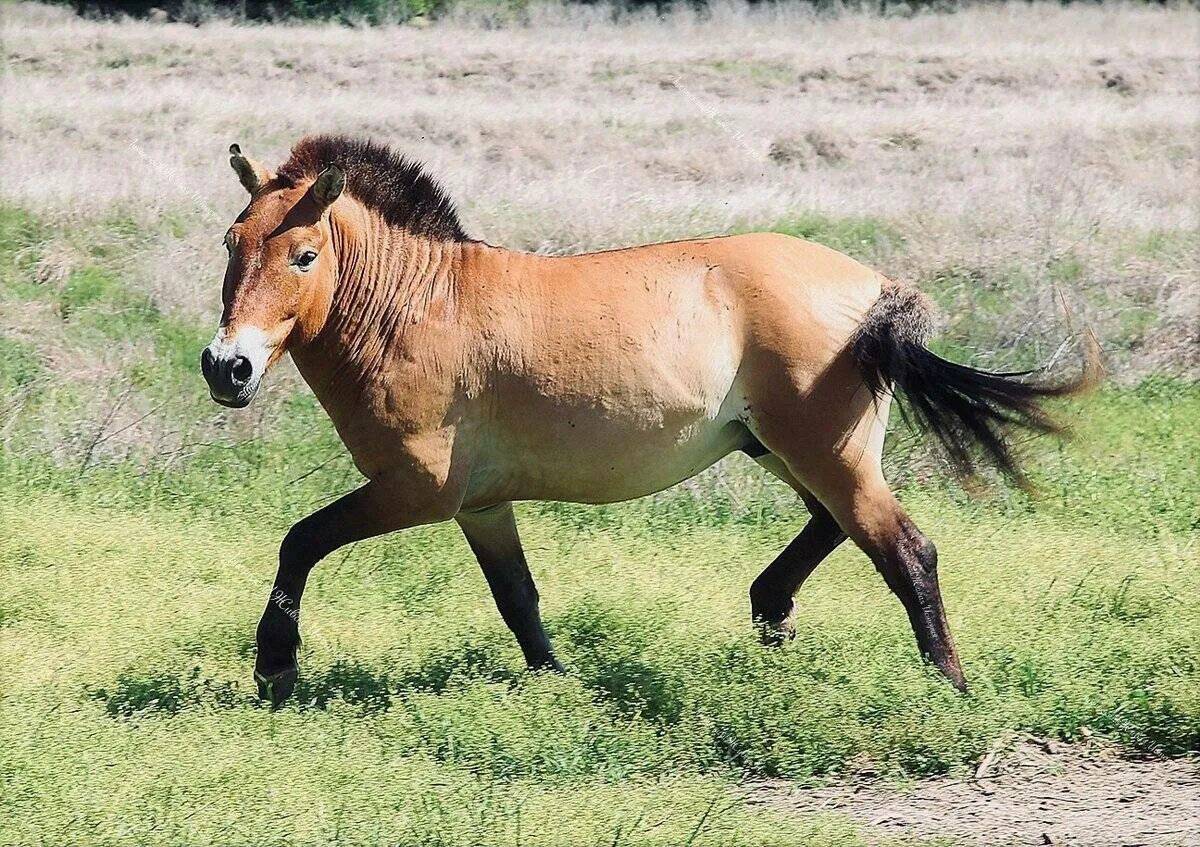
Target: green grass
20, 235
81, 313
128, 607
129, 592
19, 365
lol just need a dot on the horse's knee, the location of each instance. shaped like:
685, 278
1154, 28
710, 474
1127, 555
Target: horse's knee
294, 549
301, 547
926, 554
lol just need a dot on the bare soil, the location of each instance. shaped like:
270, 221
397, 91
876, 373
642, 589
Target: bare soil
1029, 792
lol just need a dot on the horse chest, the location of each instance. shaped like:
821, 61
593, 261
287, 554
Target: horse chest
397, 421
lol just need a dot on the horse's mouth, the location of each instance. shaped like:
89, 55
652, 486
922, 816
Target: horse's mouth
240, 401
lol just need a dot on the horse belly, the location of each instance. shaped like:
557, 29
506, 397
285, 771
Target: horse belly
599, 467
658, 424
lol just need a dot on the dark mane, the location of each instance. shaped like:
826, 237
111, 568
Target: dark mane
396, 187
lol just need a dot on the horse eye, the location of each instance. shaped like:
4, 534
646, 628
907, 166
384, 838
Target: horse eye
306, 258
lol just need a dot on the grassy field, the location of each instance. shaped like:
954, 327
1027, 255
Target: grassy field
130, 590
1006, 159
129, 601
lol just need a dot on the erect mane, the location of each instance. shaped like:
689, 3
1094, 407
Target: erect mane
395, 187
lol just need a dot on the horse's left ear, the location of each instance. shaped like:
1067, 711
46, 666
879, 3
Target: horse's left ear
328, 186
253, 176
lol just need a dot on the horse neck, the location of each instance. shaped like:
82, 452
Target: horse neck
389, 281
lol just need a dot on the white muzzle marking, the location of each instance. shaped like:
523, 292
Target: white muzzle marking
250, 342
234, 365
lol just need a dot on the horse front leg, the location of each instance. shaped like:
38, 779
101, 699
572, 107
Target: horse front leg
492, 534
374, 509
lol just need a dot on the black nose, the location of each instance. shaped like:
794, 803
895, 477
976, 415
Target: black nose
208, 364
226, 376
240, 371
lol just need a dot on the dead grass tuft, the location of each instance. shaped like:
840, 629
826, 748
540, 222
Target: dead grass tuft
814, 147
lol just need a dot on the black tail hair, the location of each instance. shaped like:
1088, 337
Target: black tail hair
963, 408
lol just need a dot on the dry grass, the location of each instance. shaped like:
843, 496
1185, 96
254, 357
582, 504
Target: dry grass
1019, 152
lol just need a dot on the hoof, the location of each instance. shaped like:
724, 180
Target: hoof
775, 627
771, 611
775, 633
957, 679
547, 663
277, 687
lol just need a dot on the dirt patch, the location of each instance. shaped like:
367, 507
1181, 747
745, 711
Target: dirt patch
1030, 792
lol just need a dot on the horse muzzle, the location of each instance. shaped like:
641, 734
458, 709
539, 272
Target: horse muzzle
233, 368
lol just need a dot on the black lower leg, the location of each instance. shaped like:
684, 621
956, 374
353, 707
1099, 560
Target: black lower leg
493, 537
910, 570
771, 594
278, 634
517, 599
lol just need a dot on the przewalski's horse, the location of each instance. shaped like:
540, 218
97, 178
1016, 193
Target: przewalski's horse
463, 376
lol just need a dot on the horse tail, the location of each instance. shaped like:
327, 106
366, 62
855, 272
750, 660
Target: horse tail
965, 409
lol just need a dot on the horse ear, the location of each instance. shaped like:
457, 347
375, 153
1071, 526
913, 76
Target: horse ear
252, 175
328, 185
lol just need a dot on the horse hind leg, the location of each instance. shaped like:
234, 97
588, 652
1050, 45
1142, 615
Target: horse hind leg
847, 484
829, 435
771, 604
869, 513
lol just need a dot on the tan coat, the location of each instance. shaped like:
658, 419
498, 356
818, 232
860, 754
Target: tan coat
589, 378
